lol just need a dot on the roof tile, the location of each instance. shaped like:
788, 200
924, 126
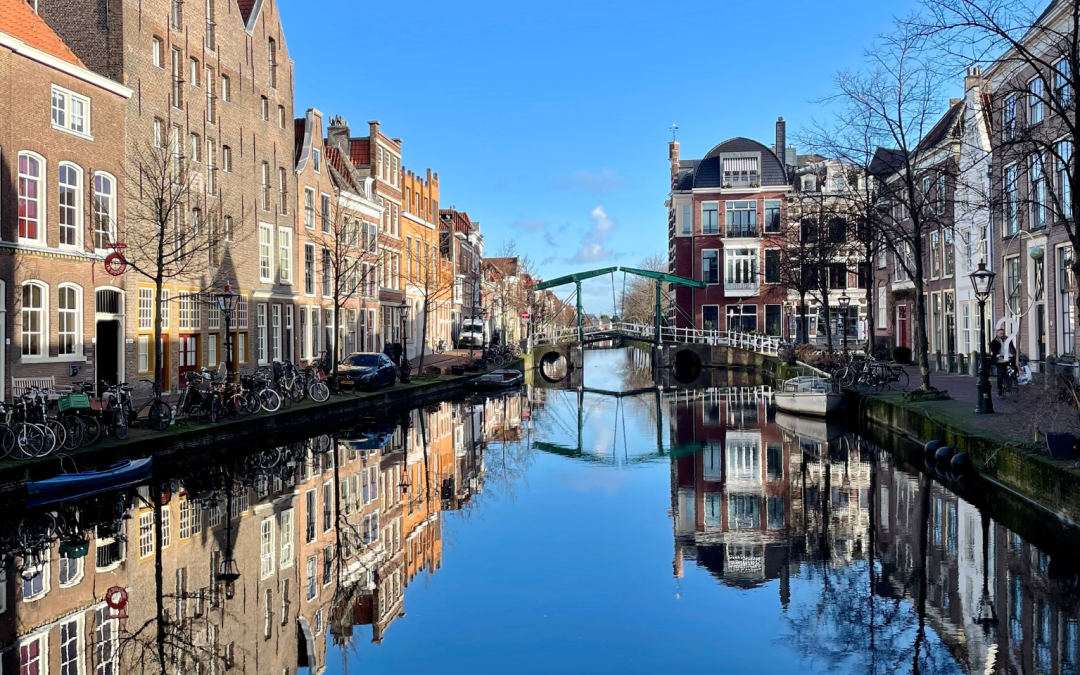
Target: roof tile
19, 20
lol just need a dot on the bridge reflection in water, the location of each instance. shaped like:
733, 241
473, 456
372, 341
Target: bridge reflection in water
875, 567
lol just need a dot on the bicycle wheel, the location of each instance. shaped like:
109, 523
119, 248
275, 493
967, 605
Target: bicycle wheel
75, 431
213, 415
286, 400
50, 444
59, 430
269, 400
319, 392
234, 406
899, 379
30, 441
120, 424
251, 402
159, 415
7, 442
91, 430
845, 376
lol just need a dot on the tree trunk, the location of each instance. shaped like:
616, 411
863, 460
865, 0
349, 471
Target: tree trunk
159, 579
922, 341
159, 351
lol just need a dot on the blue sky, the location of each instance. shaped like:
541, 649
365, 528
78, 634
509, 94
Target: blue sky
549, 122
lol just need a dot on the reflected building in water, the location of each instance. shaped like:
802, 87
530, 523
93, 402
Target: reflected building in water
325, 535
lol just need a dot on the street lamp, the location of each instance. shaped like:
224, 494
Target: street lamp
845, 302
404, 364
985, 615
226, 301
982, 280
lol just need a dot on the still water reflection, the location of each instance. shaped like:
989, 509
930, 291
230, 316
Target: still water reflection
611, 528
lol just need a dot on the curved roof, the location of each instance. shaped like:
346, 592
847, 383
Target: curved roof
707, 172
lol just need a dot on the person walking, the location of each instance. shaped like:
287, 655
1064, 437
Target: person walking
1002, 359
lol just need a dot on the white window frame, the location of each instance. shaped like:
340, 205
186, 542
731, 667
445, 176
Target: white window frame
41, 637
1035, 101
310, 213
77, 207
267, 551
260, 333
77, 353
285, 255
44, 336
266, 252
111, 197
287, 528
275, 333
42, 199
67, 125
308, 246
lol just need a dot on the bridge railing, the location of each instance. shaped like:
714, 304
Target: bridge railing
762, 344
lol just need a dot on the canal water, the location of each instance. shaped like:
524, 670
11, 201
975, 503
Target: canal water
611, 527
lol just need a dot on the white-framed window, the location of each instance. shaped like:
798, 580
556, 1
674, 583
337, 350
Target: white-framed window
193, 72
710, 266
34, 655
156, 49
69, 196
35, 319
1009, 116
285, 255
309, 208
309, 269
740, 267
177, 78
316, 160
1036, 105
260, 332
70, 112
882, 306
266, 548
1011, 224
71, 646
196, 148
740, 218
143, 353
272, 61
146, 308
312, 572
264, 107
166, 526
1062, 184
211, 166
1062, 83
104, 210
281, 116
226, 89
286, 527
1038, 197
266, 248
31, 197
69, 320
226, 159
163, 307
146, 534
275, 333
327, 273
70, 572
106, 643
326, 212
211, 97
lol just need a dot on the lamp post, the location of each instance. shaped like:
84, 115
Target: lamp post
405, 376
982, 280
226, 301
845, 302
985, 615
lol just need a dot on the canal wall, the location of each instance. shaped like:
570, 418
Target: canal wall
188, 441
1052, 485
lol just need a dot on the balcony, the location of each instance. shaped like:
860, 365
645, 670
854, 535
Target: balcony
742, 232
740, 289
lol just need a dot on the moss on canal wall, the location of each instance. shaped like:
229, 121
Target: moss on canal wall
1052, 484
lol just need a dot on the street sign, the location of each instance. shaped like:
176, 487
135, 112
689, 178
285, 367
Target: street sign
525, 315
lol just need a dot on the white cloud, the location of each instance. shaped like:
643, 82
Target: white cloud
592, 247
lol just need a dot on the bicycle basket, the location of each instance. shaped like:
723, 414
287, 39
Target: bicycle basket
73, 401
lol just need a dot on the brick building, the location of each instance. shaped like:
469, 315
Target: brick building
213, 84
61, 198
462, 237
724, 215
428, 271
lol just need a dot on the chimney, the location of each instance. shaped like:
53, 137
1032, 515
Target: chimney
781, 140
337, 134
673, 157
974, 79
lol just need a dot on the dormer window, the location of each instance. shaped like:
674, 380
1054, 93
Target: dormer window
740, 172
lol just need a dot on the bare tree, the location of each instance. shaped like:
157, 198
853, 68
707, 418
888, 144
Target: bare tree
167, 234
894, 106
637, 301
431, 277
1031, 55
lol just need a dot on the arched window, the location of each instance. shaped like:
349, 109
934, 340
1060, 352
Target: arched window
35, 297
31, 206
69, 320
108, 301
104, 210
70, 198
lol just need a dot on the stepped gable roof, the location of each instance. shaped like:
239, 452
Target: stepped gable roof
19, 20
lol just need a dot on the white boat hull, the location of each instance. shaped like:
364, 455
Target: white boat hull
819, 404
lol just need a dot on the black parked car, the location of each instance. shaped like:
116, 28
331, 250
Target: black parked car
366, 370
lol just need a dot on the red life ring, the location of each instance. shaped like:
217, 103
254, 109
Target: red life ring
116, 598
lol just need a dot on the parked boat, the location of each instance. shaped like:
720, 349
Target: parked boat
497, 379
809, 395
86, 483
811, 429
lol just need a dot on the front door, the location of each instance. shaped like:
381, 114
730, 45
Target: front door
1040, 331
107, 351
189, 355
902, 326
